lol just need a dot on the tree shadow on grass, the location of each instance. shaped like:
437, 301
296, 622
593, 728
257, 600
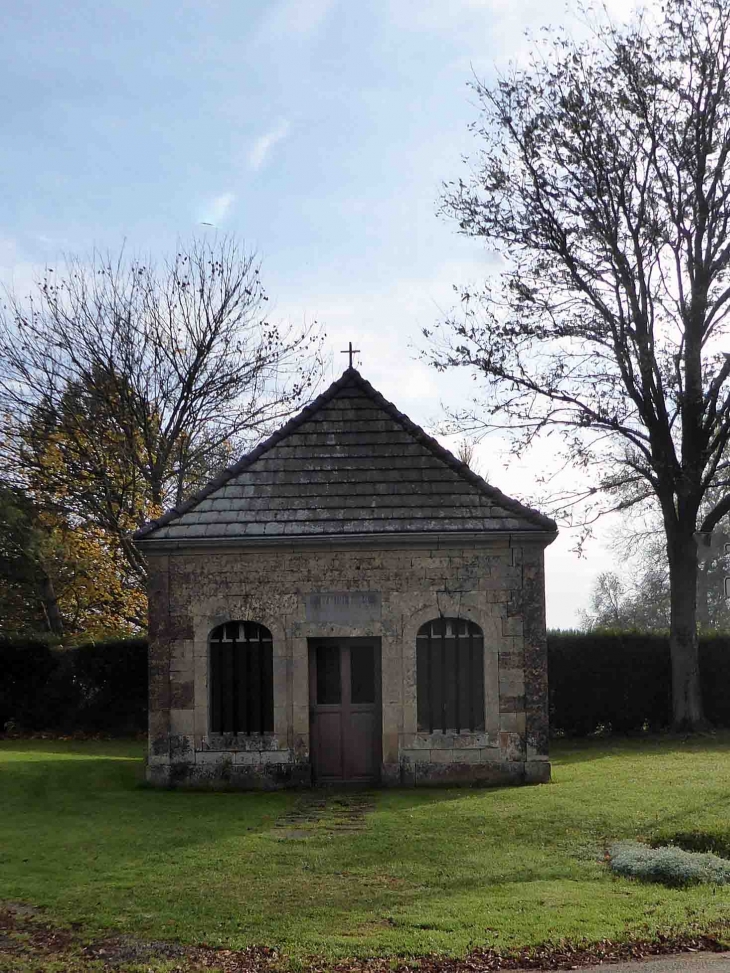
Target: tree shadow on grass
577, 750
118, 748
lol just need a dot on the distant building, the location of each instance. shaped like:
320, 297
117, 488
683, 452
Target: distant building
349, 602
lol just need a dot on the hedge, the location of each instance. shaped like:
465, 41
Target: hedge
94, 687
614, 681
621, 681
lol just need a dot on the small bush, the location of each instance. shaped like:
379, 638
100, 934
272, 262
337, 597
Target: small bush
668, 865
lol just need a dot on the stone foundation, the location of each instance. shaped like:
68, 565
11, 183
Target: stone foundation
280, 771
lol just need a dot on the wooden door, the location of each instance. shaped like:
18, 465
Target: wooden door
344, 707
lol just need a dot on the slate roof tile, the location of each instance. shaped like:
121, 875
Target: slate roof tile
348, 463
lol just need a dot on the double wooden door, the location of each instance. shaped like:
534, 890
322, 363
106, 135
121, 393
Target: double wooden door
345, 710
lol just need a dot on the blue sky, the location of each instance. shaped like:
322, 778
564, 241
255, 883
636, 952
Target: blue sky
318, 131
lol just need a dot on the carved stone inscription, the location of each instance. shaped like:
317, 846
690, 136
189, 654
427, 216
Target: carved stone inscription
343, 607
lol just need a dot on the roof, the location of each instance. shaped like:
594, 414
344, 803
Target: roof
349, 464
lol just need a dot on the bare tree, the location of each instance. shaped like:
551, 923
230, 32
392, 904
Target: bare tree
466, 452
637, 593
603, 181
608, 607
630, 600
124, 384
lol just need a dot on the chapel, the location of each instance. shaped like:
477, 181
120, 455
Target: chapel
348, 603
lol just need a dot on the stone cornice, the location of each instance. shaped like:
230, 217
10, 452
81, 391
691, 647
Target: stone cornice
436, 541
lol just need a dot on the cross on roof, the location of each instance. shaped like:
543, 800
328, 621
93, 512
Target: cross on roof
350, 351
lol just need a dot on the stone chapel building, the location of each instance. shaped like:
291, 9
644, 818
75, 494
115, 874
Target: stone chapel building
347, 603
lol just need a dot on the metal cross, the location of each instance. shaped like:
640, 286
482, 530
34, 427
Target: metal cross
350, 351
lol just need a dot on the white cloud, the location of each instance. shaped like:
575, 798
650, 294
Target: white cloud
216, 209
263, 145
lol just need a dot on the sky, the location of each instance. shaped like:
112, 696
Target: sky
319, 132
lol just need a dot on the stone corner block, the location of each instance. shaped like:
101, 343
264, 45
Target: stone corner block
391, 774
537, 772
158, 774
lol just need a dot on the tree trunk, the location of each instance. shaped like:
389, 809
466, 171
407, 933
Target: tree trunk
687, 713
703, 596
50, 603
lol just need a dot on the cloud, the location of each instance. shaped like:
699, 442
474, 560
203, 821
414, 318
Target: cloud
216, 209
263, 145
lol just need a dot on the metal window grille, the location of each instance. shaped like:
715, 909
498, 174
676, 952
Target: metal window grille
241, 679
450, 675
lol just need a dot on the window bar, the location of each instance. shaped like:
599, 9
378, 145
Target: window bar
457, 685
219, 681
233, 689
221, 685
223, 673
262, 683
249, 707
444, 693
231, 685
429, 684
214, 702
472, 693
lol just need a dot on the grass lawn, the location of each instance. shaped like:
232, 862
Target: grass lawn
431, 870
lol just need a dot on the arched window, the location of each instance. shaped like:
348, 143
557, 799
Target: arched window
241, 678
450, 675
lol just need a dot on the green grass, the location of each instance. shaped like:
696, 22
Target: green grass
434, 870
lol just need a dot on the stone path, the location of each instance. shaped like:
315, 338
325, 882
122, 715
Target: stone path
677, 963
325, 812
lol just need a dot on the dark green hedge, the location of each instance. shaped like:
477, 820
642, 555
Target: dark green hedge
617, 681
621, 681
94, 687
26, 665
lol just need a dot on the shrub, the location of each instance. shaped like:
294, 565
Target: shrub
668, 865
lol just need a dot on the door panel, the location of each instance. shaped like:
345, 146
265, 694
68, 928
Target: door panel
361, 754
345, 713
327, 748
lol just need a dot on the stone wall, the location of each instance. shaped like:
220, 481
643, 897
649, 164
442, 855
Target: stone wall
498, 584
